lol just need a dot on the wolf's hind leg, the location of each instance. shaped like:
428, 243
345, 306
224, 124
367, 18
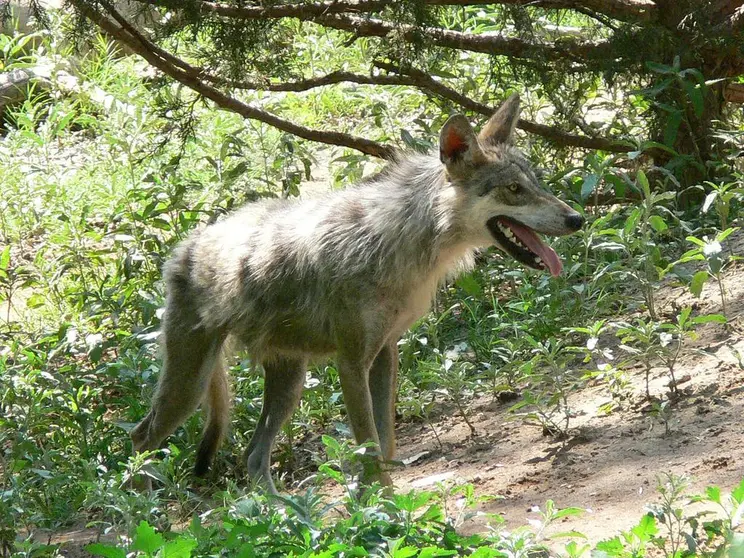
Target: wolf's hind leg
217, 402
383, 377
282, 390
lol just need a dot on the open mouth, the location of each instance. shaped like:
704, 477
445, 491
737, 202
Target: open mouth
524, 245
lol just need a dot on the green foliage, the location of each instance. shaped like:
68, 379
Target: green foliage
671, 529
712, 253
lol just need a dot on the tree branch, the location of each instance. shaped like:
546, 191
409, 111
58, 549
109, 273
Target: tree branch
330, 16
189, 76
194, 78
311, 83
554, 135
486, 44
623, 10
294, 86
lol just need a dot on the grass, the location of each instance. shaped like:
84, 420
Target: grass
96, 191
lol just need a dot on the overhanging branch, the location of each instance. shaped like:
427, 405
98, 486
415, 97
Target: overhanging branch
189, 76
195, 78
311, 83
623, 10
486, 44
292, 86
554, 135
331, 16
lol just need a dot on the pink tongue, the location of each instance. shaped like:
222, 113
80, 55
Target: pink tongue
530, 239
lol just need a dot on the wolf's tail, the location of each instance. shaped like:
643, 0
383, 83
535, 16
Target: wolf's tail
217, 400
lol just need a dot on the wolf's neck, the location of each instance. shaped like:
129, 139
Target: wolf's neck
424, 210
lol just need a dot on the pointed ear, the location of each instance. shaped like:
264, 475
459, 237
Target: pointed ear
456, 139
500, 127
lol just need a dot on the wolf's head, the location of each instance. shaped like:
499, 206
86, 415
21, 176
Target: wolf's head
505, 203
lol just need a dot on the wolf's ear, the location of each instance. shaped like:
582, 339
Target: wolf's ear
456, 140
500, 127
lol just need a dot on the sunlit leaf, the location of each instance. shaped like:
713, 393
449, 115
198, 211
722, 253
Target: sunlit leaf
146, 539
698, 280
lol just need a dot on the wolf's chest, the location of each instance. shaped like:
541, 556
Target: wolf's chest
421, 292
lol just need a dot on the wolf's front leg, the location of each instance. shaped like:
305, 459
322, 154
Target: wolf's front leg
383, 380
353, 371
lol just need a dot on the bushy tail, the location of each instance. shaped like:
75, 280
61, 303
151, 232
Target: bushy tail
218, 402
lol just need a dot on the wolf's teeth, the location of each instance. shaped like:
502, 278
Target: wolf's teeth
538, 260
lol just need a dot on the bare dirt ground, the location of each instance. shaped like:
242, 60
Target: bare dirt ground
609, 464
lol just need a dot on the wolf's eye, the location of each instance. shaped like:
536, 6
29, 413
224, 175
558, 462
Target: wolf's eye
513, 187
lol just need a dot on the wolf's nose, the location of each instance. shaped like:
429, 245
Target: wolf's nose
575, 221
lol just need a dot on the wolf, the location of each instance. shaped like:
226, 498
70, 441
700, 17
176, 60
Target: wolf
347, 273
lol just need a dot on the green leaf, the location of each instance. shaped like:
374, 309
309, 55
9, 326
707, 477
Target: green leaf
160, 223
714, 494
720, 237
659, 68
695, 94
643, 183
235, 172
646, 528
632, 220
470, 285
332, 473
331, 443
146, 539
105, 550
657, 223
568, 512
617, 183
672, 127
708, 318
590, 183
246, 550
684, 315
658, 145
695, 241
486, 552
433, 513
5, 258
611, 547
407, 138
738, 493
36, 300
405, 552
179, 548
698, 280
433, 551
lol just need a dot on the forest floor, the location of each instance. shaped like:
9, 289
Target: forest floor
609, 463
